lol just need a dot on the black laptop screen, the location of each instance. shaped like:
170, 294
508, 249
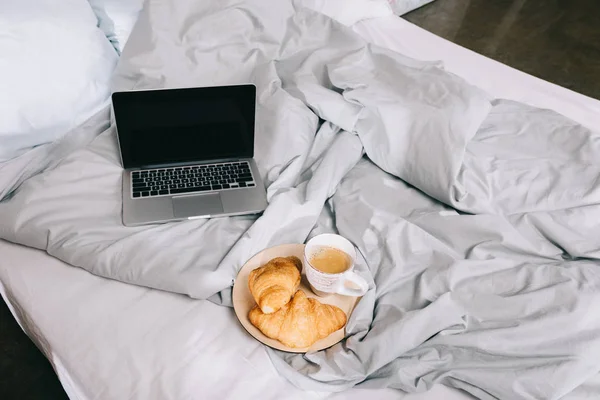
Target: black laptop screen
161, 127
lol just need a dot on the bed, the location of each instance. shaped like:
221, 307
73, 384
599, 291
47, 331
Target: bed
109, 339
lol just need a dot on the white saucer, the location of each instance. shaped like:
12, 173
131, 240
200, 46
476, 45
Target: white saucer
243, 301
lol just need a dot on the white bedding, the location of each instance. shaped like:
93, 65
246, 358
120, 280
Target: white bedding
110, 340
55, 71
116, 19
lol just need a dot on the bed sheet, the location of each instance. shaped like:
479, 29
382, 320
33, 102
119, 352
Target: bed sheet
111, 340
492, 76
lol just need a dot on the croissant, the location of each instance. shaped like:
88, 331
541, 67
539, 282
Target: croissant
273, 284
299, 323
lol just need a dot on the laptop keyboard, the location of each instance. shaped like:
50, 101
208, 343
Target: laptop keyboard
199, 178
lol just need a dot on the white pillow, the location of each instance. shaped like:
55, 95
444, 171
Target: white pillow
401, 7
349, 12
116, 18
55, 71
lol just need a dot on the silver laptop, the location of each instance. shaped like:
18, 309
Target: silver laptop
187, 153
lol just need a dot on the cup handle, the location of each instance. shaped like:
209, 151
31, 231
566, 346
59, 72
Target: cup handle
358, 281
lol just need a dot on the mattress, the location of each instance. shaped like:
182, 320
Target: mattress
110, 340
107, 339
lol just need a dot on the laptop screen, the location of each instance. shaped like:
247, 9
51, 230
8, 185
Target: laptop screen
183, 126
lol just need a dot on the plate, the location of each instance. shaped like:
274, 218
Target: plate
243, 301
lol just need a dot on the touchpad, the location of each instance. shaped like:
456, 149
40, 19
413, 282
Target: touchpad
197, 205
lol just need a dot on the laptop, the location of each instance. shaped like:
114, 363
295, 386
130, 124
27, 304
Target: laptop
187, 153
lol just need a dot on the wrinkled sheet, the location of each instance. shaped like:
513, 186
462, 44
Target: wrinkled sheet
401, 7
110, 340
474, 216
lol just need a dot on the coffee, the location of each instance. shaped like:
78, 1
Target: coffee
330, 260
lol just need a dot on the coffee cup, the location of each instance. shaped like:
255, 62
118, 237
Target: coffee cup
329, 263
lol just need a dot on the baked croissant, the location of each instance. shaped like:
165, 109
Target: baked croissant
273, 284
299, 323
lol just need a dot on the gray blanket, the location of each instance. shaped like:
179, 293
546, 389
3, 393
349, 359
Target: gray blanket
476, 218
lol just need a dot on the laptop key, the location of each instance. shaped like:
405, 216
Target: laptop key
245, 179
250, 184
154, 193
225, 186
190, 189
161, 192
137, 194
141, 188
242, 184
145, 194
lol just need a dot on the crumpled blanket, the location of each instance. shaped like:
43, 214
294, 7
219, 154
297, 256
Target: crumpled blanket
475, 218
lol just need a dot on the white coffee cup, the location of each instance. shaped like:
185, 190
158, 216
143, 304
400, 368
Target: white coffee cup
323, 283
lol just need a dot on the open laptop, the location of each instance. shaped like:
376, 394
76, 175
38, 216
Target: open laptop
187, 153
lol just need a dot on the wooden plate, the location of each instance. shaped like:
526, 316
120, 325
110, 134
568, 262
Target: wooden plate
243, 301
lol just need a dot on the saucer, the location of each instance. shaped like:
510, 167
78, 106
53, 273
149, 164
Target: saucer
243, 301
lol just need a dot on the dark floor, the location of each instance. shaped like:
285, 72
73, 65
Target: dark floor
25, 374
557, 40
